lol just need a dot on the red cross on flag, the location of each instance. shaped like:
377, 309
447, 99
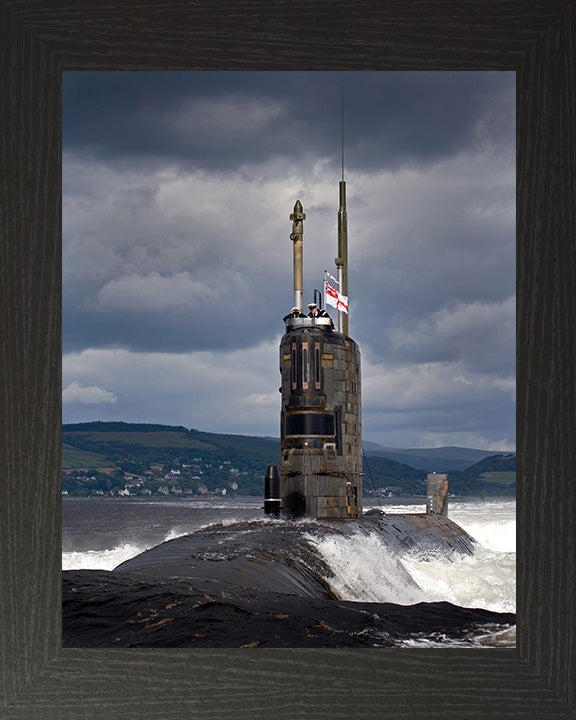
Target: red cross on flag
335, 298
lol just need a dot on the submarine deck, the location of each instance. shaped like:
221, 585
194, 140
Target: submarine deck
260, 584
275, 555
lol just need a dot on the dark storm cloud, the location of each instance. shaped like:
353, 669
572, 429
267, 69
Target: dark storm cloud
124, 249
177, 262
390, 118
180, 329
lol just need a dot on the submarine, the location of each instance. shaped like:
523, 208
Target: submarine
320, 475
317, 487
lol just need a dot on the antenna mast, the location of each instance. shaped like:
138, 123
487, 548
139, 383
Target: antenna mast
297, 236
342, 259
342, 125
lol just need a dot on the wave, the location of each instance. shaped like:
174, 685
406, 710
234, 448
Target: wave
100, 559
361, 571
424, 595
490, 635
499, 534
109, 558
485, 579
360, 567
364, 571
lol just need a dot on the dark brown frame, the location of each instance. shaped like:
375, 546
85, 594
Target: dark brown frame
40, 39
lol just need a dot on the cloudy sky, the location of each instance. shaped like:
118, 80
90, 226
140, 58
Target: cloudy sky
177, 259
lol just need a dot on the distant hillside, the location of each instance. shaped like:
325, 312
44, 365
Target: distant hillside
491, 467
494, 475
386, 475
443, 459
177, 440
135, 458
162, 458
74, 458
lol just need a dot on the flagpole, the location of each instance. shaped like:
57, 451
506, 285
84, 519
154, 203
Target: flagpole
340, 312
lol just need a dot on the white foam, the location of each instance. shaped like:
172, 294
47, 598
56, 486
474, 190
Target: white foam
486, 579
492, 522
492, 637
99, 559
364, 571
498, 534
110, 558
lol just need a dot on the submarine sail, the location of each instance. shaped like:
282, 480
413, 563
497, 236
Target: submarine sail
321, 452
321, 445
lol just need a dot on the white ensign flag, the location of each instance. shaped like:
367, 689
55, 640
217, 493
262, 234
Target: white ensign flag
335, 298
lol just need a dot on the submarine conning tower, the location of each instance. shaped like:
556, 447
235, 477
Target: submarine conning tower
321, 448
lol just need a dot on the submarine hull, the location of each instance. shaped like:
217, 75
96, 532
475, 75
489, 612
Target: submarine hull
277, 556
262, 584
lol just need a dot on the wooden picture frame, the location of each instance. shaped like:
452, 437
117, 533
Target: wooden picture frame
42, 38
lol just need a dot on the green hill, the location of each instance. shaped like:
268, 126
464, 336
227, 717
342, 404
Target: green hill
440, 459
119, 435
494, 475
500, 478
491, 464
201, 462
109, 457
382, 473
74, 458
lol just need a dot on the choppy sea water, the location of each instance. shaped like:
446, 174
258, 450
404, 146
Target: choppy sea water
100, 533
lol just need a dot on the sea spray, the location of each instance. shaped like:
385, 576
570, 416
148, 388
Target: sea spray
361, 568
100, 559
489, 635
109, 558
364, 571
486, 579
102, 534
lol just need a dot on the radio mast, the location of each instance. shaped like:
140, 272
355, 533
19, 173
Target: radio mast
342, 259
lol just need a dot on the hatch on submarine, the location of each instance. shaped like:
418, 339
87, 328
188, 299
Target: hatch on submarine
320, 474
